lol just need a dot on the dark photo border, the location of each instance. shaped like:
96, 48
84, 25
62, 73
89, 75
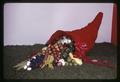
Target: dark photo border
52, 1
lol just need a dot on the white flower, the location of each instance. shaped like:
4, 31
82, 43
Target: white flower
34, 57
28, 63
25, 67
68, 41
62, 61
29, 68
59, 64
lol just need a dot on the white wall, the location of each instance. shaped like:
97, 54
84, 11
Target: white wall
30, 23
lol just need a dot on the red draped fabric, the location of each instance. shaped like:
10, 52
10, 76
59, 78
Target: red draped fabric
85, 36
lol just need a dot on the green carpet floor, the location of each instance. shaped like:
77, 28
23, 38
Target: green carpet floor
15, 54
